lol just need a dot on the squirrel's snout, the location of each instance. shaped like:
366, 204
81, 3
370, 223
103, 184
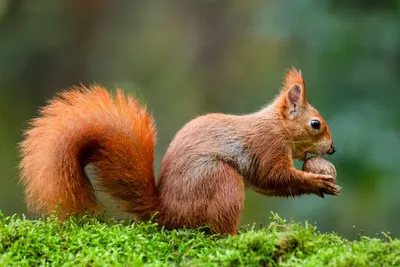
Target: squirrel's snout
331, 150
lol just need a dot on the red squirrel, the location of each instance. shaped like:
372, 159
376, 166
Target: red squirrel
203, 174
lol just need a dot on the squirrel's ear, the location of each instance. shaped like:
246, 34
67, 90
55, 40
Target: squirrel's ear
294, 92
295, 100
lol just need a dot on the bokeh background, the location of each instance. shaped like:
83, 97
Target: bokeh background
186, 58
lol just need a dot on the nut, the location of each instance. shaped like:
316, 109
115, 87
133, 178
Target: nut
320, 166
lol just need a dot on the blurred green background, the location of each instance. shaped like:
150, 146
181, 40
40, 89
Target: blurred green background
187, 58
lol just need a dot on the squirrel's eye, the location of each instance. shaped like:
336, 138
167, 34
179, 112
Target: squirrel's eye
315, 124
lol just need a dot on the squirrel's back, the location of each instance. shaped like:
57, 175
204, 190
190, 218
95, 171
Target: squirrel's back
206, 140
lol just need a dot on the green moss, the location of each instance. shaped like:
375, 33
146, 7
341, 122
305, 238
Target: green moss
99, 242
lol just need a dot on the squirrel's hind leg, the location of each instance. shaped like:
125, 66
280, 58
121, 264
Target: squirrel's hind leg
226, 206
215, 200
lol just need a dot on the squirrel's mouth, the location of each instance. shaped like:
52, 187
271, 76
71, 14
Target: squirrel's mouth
306, 154
302, 156
313, 154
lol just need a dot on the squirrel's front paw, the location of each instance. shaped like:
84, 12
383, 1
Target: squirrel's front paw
326, 185
324, 173
331, 189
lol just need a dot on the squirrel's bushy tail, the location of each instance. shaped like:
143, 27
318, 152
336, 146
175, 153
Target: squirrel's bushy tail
85, 126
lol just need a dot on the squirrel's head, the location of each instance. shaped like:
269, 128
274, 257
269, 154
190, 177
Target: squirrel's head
307, 130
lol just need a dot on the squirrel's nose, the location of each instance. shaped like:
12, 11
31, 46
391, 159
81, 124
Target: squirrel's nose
331, 150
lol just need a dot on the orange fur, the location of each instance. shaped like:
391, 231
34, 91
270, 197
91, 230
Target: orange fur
87, 125
203, 173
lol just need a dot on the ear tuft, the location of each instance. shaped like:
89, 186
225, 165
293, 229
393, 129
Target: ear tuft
294, 87
293, 76
292, 98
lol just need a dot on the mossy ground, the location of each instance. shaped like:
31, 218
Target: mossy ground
100, 242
